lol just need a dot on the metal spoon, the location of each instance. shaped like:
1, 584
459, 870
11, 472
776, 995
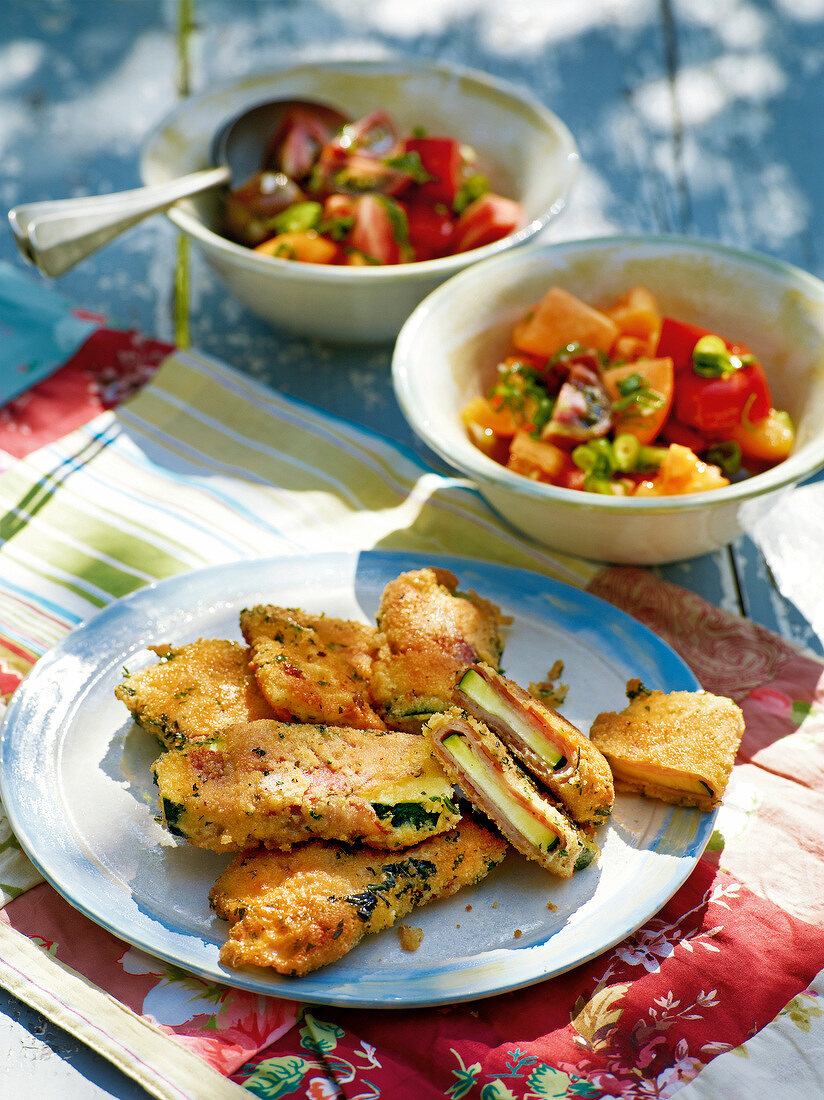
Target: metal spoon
57, 234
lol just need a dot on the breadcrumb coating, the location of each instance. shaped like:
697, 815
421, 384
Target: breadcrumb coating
312, 668
277, 784
678, 747
429, 633
307, 908
194, 690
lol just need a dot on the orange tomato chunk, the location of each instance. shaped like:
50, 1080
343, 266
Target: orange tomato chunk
536, 458
768, 440
307, 246
560, 319
681, 471
629, 348
481, 412
636, 313
645, 416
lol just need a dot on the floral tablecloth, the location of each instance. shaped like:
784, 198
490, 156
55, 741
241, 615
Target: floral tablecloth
719, 994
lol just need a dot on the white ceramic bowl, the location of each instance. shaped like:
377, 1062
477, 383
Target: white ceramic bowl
448, 349
530, 155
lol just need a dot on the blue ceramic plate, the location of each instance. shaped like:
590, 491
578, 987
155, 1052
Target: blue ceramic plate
78, 791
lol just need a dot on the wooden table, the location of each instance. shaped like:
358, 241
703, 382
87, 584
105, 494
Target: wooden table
692, 117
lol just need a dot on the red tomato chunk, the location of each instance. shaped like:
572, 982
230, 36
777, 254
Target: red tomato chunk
620, 400
369, 195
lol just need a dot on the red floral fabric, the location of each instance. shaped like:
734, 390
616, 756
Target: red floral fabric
106, 369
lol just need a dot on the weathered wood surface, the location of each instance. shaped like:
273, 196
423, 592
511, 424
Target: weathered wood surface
701, 117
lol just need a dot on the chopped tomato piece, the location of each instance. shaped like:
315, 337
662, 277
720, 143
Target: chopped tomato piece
485, 220
521, 329
358, 173
440, 159
309, 247
536, 458
629, 348
572, 477
251, 207
373, 133
767, 440
716, 405
641, 394
636, 314
295, 145
430, 229
678, 340
560, 319
680, 472
676, 432
375, 233
339, 206
501, 420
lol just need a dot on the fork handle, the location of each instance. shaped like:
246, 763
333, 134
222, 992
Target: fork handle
57, 234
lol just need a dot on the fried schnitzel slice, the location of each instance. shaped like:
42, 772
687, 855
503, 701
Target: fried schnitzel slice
550, 747
194, 690
430, 632
312, 668
491, 779
278, 783
307, 908
678, 747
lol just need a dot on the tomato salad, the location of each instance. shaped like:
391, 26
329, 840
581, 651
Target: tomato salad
621, 400
334, 191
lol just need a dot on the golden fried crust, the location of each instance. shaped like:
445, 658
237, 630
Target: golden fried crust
277, 784
679, 747
312, 668
430, 633
194, 690
298, 911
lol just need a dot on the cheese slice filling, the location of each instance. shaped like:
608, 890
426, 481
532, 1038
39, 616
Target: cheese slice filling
489, 784
474, 687
660, 776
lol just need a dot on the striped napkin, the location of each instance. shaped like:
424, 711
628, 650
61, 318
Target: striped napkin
204, 466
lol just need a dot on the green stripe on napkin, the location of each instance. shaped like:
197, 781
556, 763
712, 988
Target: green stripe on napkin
206, 466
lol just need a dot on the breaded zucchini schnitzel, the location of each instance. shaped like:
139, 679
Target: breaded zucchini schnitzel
493, 781
678, 747
304, 909
194, 690
312, 668
548, 746
430, 632
277, 784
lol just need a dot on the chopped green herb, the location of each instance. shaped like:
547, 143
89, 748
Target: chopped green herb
410, 163
473, 187
298, 218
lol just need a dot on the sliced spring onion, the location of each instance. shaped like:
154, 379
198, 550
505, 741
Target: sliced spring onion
298, 217
625, 448
712, 359
727, 456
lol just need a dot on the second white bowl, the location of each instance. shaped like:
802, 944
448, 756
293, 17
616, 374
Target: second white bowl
447, 352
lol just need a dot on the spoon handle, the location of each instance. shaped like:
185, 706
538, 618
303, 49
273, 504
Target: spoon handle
57, 234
